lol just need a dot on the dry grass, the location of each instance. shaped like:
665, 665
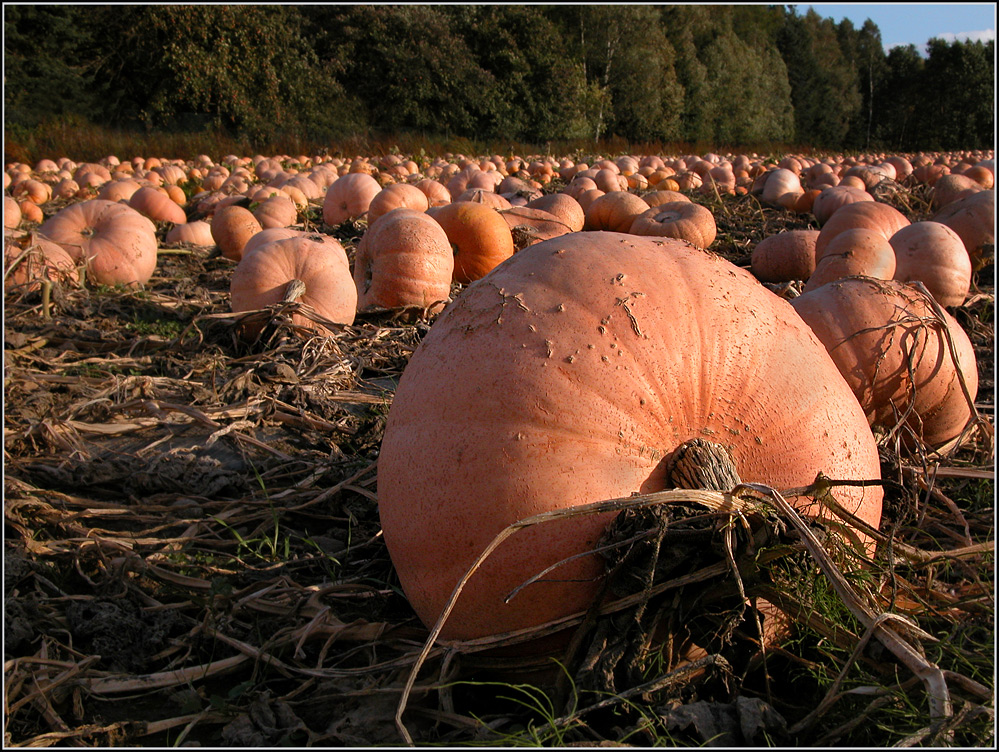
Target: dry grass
193, 555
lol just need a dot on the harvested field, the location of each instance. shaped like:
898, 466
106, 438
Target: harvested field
193, 553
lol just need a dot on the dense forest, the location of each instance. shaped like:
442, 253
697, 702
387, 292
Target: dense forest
737, 76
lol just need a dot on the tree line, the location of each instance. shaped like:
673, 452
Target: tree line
737, 76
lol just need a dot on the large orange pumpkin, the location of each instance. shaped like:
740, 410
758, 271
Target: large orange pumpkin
116, 243
875, 330
349, 198
869, 215
933, 254
262, 276
403, 259
479, 237
677, 219
569, 375
785, 256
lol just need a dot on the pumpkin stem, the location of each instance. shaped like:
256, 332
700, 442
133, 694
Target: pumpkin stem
294, 290
701, 464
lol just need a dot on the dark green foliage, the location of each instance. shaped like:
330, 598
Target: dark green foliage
48, 68
736, 76
961, 109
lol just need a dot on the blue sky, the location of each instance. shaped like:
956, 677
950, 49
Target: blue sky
916, 23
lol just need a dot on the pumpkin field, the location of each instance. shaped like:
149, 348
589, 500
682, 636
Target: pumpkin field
588, 449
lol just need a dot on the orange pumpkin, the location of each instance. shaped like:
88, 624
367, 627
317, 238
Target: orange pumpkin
663, 196
973, 218
349, 198
232, 226
397, 196
262, 278
157, 205
569, 377
403, 259
854, 252
197, 232
950, 188
935, 255
30, 211
563, 206
529, 226
33, 190
11, 212
785, 256
836, 197
436, 193
32, 258
869, 215
276, 211
614, 211
782, 187
115, 243
875, 330
684, 220
480, 238
484, 197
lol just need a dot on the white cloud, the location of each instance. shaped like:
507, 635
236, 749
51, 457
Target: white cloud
962, 36
969, 36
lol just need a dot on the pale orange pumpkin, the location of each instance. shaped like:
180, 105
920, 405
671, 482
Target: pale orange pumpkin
529, 226
32, 258
197, 233
349, 198
876, 330
973, 218
569, 376
397, 196
933, 254
785, 256
563, 206
853, 252
404, 259
663, 196
115, 243
484, 197
231, 227
835, 197
683, 220
157, 205
262, 278
11, 212
276, 211
614, 211
950, 188
437, 194
869, 215
782, 187
118, 190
